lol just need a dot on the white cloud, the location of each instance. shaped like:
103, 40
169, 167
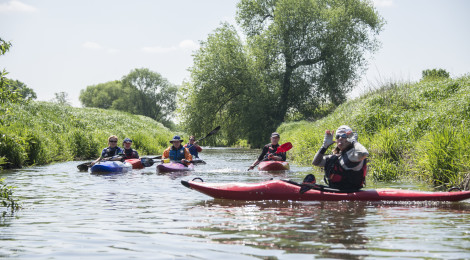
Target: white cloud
188, 45
112, 50
158, 49
91, 45
15, 6
383, 3
183, 45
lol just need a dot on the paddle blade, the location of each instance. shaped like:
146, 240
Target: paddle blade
214, 131
284, 148
83, 167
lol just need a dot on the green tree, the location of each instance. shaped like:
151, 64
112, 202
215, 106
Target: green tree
150, 95
105, 95
299, 56
7, 96
312, 50
20, 88
61, 98
435, 73
223, 90
141, 92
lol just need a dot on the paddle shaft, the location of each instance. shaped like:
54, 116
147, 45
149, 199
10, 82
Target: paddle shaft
209, 134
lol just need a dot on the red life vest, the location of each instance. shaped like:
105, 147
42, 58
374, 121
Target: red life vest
339, 178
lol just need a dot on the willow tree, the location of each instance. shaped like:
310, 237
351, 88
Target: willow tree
312, 51
297, 55
223, 90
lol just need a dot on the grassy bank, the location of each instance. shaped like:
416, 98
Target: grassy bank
43, 132
412, 130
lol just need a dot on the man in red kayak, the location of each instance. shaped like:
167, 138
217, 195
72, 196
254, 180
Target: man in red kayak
346, 168
269, 152
176, 152
129, 153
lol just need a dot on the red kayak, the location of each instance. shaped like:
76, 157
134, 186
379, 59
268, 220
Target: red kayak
273, 166
286, 190
136, 163
174, 167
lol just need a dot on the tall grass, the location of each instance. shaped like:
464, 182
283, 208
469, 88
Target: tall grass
43, 132
412, 130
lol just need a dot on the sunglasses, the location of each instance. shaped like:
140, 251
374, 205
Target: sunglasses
113, 141
341, 136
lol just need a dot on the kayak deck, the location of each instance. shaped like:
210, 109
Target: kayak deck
282, 190
111, 167
174, 167
273, 166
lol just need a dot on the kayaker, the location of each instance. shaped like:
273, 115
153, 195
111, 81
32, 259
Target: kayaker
111, 151
346, 168
193, 147
269, 152
129, 153
176, 152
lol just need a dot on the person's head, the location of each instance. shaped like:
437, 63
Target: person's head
342, 134
192, 139
176, 141
275, 138
127, 143
112, 141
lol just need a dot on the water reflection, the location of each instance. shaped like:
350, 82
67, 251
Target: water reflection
324, 229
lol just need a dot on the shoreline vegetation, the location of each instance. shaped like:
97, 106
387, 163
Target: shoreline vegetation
415, 131
37, 133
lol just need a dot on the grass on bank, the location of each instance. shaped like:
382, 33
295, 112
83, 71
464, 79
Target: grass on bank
38, 133
412, 130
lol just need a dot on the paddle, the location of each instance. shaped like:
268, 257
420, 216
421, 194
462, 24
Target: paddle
309, 184
146, 161
209, 134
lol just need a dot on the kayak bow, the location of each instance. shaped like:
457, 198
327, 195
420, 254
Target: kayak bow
273, 166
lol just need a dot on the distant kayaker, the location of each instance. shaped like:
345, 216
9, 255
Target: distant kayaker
193, 147
129, 153
269, 152
110, 151
176, 152
346, 168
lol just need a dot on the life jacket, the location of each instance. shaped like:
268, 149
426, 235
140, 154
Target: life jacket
177, 154
109, 152
339, 178
273, 150
192, 150
130, 153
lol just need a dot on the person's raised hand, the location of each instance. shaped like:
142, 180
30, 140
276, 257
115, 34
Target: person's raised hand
328, 140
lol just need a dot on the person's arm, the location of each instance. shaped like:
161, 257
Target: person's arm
198, 148
319, 159
187, 156
359, 153
166, 153
260, 158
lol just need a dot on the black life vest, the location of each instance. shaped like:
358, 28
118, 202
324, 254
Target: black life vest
339, 178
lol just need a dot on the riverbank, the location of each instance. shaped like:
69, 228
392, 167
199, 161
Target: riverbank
38, 133
412, 130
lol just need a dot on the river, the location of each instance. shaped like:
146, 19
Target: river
69, 214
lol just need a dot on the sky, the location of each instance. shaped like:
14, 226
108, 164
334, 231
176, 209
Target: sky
65, 46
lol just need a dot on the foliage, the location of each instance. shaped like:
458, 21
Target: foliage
19, 87
224, 91
435, 73
61, 98
43, 132
7, 201
299, 55
415, 130
7, 95
141, 92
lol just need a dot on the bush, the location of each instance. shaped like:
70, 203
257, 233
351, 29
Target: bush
435, 73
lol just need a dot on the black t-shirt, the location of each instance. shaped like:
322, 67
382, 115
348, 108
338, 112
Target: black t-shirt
270, 149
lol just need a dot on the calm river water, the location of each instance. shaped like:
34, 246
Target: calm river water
142, 215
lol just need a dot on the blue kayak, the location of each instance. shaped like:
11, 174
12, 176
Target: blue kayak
111, 167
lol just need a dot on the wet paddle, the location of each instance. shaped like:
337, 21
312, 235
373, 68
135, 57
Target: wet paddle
209, 134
